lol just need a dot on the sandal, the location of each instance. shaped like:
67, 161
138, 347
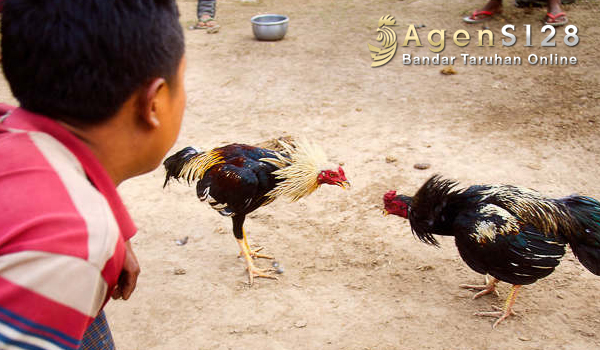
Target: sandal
213, 29
199, 25
210, 29
487, 15
203, 24
557, 20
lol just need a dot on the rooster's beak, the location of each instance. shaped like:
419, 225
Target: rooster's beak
385, 212
344, 184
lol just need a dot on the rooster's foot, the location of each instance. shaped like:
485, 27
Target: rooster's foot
489, 287
501, 314
253, 271
254, 253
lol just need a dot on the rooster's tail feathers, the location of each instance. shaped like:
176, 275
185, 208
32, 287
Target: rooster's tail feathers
585, 239
175, 163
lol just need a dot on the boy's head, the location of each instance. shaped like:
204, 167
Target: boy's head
78, 61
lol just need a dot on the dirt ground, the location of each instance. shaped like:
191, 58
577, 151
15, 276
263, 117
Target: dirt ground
353, 278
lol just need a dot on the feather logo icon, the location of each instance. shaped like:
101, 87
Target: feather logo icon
387, 36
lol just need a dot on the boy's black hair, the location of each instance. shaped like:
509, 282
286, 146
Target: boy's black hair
78, 61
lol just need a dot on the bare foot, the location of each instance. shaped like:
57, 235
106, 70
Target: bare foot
489, 10
554, 7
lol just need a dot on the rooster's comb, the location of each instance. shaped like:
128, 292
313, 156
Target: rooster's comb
389, 196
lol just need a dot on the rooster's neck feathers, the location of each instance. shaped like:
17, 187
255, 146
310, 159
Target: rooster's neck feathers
195, 168
298, 170
428, 213
545, 214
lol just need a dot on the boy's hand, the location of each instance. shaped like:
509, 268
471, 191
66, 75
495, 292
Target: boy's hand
129, 275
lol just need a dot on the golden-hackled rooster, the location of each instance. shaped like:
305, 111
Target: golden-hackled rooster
512, 233
237, 179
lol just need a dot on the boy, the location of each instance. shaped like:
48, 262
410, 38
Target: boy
100, 87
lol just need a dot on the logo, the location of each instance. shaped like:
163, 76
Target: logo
387, 36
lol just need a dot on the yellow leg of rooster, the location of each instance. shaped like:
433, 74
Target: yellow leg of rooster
253, 253
489, 287
507, 311
253, 271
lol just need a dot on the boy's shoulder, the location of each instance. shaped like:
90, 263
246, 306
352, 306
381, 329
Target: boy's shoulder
48, 202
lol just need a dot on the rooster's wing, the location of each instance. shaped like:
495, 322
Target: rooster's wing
491, 240
237, 186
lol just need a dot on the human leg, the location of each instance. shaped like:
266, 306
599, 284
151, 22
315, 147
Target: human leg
206, 12
98, 335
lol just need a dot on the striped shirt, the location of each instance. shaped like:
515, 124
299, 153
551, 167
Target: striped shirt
62, 233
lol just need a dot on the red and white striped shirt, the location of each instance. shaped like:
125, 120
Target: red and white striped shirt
62, 233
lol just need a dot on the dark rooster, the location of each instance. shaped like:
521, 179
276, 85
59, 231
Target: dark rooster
237, 179
514, 234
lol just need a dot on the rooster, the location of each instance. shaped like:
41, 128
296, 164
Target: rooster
237, 179
514, 234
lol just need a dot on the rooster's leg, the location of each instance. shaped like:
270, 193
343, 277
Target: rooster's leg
253, 271
489, 287
507, 311
253, 253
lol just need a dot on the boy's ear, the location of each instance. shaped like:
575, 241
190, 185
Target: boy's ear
149, 102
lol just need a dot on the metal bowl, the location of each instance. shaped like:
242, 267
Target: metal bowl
269, 27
